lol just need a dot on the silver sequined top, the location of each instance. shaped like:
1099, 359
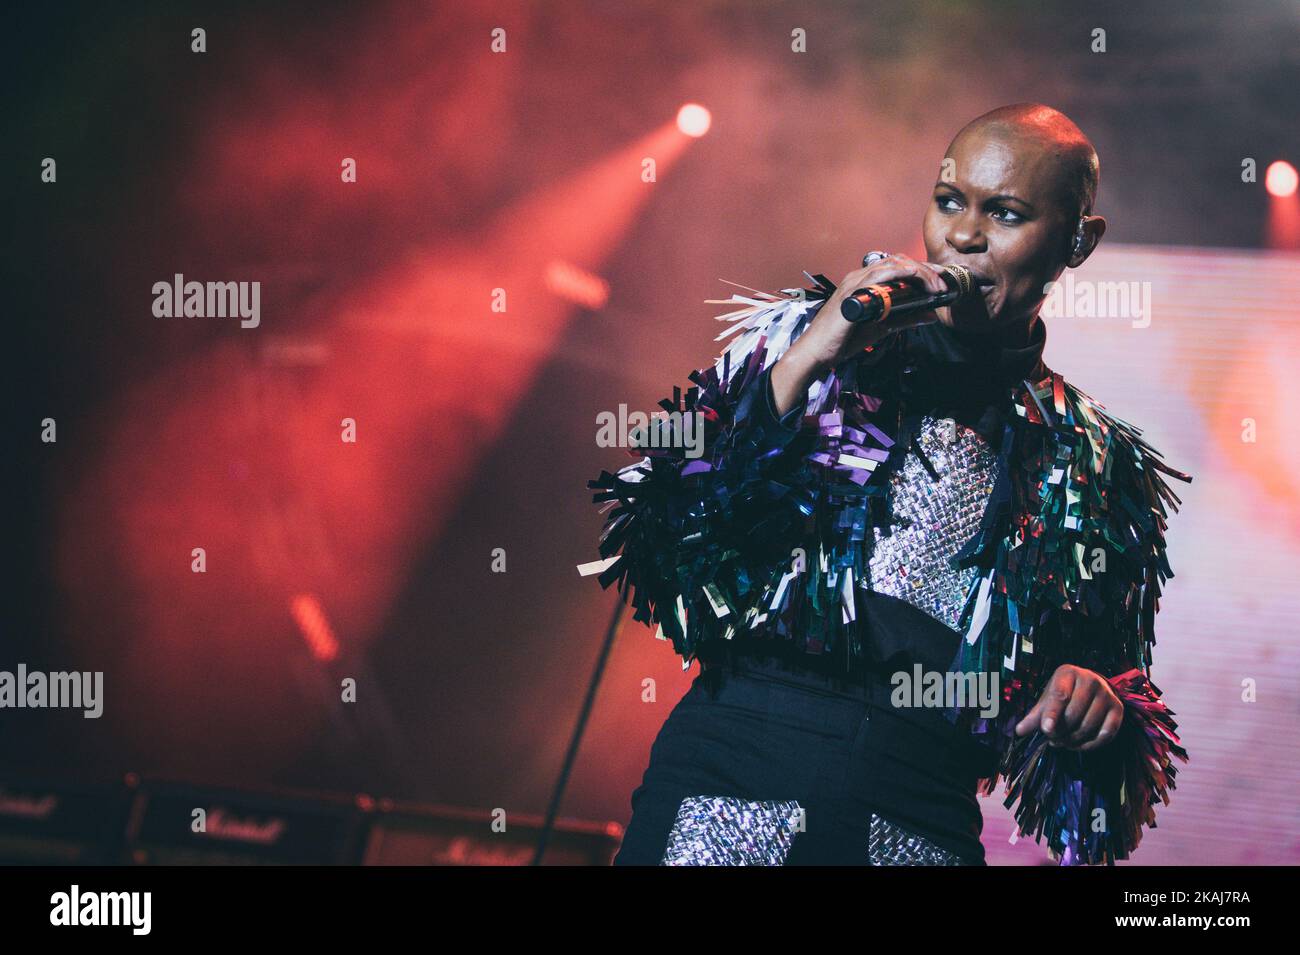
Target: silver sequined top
933, 520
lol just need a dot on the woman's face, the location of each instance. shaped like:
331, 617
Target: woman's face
1001, 216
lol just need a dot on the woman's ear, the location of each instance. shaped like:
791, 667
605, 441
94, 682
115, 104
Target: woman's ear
1086, 236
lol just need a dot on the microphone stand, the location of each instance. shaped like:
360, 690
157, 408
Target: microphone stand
576, 740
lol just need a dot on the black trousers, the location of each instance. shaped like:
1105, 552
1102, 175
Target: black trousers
769, 767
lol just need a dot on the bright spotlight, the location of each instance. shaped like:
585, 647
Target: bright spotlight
1280, 180
693, 120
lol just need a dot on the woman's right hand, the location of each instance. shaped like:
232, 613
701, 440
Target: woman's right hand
831, 338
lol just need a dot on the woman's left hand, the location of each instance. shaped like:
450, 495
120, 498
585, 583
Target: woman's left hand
1078, 710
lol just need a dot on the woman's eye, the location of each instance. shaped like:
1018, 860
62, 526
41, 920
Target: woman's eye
1011, 216
946, 203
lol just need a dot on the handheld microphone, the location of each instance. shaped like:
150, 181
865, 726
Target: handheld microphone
876, 302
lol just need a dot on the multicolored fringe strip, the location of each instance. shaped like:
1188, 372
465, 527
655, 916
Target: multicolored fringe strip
1092, 806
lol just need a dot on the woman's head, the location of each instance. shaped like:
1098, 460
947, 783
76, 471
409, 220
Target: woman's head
1013, 203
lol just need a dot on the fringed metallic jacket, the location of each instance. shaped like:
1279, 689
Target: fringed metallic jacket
773, 533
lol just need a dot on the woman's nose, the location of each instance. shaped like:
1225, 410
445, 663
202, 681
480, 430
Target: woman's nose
965, 236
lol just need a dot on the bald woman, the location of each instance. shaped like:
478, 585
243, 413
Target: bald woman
936, 483
1015, 209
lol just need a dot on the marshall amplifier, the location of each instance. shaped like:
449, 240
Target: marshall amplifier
43, 822
177, 824
407, 834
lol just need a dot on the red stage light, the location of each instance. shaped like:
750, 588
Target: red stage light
577, 285
694, 120
310, 617
1280, 180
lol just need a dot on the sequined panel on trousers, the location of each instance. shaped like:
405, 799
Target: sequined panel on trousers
933, 519
724, 830
892, 845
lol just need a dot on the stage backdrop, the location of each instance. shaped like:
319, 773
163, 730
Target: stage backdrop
1209, 374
